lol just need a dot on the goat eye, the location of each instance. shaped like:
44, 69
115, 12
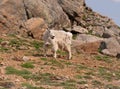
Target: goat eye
52, 37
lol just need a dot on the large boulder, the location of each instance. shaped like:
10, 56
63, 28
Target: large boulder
87, 44
35, 27
77, 29
110, 47
72, 7
13, 13
49, 10
86, 38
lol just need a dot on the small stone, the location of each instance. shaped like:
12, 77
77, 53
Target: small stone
17, 80
57, 78
4, 35
2, 71
86, 86
25, 58
114, 74
4, 43
23, 48
1, 79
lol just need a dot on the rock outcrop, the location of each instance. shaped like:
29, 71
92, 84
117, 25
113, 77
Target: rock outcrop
34, 27
110, 47
34, 16
87, 43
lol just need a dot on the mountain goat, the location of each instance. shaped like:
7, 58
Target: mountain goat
59, 40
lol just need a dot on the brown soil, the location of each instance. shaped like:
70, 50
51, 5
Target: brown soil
85, 65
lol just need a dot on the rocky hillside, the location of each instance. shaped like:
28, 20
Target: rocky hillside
95, 46
55, 13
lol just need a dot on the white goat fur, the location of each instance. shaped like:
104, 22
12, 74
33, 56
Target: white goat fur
59, 40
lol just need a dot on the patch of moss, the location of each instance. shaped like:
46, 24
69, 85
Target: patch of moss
27, 65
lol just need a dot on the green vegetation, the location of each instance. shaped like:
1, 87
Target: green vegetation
12, 35
44, 59
97, 83
11, 70
29, 86
37, 44
54, 62
69, 84
103, 58
83, 77
78, 76
90, 32
74, 36
24, 73
82, 82
87, 77
60, 52
84, 17
66, 62
117, 75
110, 86
3, 49
34, 77
15, 43
99, 50
51, 79
27, 65
105, 73
97, 76
46, 78
90, 73
1, 40
81, 67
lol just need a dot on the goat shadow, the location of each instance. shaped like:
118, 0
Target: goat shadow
42, 55
48, 55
